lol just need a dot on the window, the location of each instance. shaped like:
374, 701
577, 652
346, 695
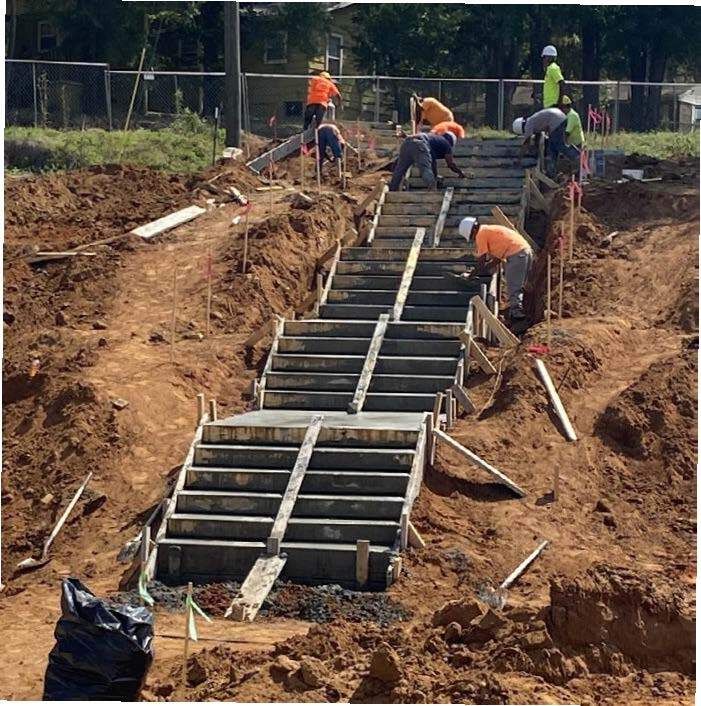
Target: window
46, 36
275, 51
293, 109
334, 54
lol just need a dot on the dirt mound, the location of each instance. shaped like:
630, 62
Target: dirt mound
643, 424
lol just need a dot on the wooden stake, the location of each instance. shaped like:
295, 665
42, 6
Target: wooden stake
362, 561
572, 225
209, 289
343, 166
562, 271
186, 646
212, 410
448, 409
318, 160
302, 147
200, 408
245, 242
357, 127
271, 184
549, 298
172, 318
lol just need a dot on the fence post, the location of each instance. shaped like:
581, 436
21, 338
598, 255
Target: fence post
500, 117
108, 98
377, 99
616, 107
440, 90
34, 87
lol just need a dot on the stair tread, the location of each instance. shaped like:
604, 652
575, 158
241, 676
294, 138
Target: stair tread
252, 544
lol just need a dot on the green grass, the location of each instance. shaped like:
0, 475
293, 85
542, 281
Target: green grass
663, 145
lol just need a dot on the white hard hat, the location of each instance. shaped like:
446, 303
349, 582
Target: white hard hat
549, 51
518, 126
450, 137
466, 226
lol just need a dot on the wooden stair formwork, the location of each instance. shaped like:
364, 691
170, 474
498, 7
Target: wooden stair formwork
393, 301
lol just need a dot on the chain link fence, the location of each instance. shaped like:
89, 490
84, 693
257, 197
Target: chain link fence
71, 95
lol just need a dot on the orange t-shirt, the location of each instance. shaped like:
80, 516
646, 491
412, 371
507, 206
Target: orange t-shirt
321, 90
449, 126
434, 112
499, 241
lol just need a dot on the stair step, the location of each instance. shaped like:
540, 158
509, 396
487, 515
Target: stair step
380, 282
365, 329
209, 560
410, 313
387, 298
398, 253
473, 183
307, 529
359, 346
397, 268
381, 507
332, 382
386, 365
374, 402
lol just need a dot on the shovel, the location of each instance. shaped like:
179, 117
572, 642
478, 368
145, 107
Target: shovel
44, 558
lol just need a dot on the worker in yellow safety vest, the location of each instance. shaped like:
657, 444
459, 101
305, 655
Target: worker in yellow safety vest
554, 82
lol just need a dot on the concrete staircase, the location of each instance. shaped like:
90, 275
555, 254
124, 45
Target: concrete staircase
365, 469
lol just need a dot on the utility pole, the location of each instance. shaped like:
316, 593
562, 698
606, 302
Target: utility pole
232, 80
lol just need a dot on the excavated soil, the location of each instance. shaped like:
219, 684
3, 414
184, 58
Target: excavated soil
604, 616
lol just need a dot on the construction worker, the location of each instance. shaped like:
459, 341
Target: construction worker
554, 82
497, 244
551, 121
449, 126
423, 150
321, 90
574, 135
431, 111
330, 137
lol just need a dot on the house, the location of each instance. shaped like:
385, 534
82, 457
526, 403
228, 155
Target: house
690, 108
29, 34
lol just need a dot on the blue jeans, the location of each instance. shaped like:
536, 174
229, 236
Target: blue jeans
558, 146
414, 150
327, 138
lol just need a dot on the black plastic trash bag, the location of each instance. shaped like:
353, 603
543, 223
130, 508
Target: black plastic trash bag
102, 653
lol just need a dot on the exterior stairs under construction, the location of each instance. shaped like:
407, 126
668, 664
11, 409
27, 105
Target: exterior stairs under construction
321, 478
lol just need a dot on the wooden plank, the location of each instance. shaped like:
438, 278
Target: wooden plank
523, 565
362, 561
278, 327
556, 401
538, 199
281, 151
442, 215
476, 353
332, 272
546, 180
415, 539
296, 477
361, 390
256, 588
503, 219
172, 220
479, 462
259, 333
409, 269
378, 211
498, 329
460, 394
374, 194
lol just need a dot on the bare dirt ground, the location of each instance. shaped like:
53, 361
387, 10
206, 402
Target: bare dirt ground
606, 615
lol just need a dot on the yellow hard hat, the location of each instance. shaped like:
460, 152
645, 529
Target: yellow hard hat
566, 100
325, 74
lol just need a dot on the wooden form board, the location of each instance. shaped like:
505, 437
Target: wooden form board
555, 400
416, 475
255, 589
361, 390
408, 275
502, 333
504, 220
442, 215
460, 394
281, 151
479, 462
278, 327
378, 212
172, 220
374, 194
476, 353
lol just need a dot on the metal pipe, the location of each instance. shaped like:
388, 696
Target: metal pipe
34, 85
500, 117
108, 97
377, 99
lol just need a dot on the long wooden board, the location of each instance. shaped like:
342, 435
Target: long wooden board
498, 329
476, 353
172, 220
408, 276
442, 215
255, 589
555, 400
281, 151
479, 462
361, 390
503, 219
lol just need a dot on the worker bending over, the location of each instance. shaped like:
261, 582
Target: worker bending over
321, 90
330, 138
424, 150
554, 82
551, 121
574, 135
431, 111
497, 244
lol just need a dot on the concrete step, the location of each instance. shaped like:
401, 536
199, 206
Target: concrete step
397, 268
376, 507
284, 457
473, 183
374, 402
453, 241
419, 208
386, 365
362, 480
487, 171
467, 162
410, 313
414, 298
359, 346
209, 560
354, 329
325, 529
391, 283
399, 254
327, 382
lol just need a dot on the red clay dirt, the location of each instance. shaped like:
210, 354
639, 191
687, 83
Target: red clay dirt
605, 615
